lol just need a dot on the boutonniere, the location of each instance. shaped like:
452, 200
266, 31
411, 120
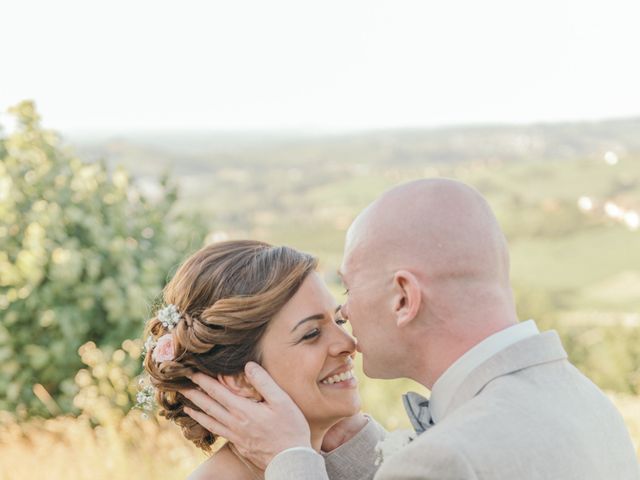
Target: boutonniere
392, 443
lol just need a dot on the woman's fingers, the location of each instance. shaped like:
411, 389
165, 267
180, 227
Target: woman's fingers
211, 424
264, 384
261, 430
220, 393
209, 406
257, 376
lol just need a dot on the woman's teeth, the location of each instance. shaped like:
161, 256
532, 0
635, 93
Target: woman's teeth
340, 377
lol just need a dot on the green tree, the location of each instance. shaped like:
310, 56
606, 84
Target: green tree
83, 253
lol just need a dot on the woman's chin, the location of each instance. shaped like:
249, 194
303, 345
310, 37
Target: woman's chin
335, 410
346, 407
325, 422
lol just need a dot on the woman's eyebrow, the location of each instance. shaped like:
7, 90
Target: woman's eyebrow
317, 316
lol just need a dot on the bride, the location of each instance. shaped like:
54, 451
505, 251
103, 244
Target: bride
241, 301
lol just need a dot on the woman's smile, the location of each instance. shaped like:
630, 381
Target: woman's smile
342, 377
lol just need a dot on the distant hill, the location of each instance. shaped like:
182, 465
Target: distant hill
198, 151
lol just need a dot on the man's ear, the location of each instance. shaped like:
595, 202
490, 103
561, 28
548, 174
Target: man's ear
407, 297
239, 385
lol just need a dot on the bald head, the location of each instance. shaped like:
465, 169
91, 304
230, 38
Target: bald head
427, 270
440, 228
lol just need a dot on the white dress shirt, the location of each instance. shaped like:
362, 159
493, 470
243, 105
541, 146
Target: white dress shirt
446, 386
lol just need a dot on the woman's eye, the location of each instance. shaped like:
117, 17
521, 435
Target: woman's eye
312, 334
341, 321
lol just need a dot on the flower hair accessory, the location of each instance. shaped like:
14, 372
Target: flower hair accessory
163, 349
145, 397
149, 343
169, 316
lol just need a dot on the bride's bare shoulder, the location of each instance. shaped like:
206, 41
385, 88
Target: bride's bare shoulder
222, 465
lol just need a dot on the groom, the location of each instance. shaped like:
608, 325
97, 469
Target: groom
426, 268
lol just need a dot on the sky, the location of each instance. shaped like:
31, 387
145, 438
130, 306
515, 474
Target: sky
237, 64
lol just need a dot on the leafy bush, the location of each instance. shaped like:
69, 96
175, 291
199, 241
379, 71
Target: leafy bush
83, 253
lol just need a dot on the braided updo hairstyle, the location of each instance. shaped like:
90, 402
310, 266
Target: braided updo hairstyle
226, 294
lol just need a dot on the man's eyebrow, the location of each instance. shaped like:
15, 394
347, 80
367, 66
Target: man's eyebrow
317, 316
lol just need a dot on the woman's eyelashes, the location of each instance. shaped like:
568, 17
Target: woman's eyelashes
315, 333
312, 334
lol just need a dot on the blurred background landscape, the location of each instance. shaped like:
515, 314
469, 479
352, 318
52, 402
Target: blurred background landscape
93, 227
133, 133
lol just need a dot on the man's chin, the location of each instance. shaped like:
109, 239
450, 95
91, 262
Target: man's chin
372, 371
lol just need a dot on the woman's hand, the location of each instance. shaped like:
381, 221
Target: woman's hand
258, 430
343, 431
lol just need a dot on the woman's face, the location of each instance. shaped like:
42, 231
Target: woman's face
309, 354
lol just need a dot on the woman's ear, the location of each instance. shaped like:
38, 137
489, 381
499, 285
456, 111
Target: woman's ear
239, 385
407, 297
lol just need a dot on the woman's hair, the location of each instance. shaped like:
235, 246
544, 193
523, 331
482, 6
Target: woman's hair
226, 294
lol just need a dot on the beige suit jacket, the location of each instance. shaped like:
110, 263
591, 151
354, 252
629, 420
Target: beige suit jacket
526, 413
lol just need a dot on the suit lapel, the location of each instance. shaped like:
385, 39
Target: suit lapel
542, 348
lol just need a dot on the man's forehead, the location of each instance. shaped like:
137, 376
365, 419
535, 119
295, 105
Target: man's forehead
349, 261
355, 241
342, 269
359, 224
349, 238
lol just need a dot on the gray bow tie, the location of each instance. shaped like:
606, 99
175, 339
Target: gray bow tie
417, 408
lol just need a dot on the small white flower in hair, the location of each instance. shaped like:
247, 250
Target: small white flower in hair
144, 398
163, 351
148, 345
169, 316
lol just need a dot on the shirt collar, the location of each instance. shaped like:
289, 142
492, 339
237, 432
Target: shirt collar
448, 383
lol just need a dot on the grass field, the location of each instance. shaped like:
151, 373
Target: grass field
132, 447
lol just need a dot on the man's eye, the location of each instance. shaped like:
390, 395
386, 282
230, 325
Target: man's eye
312, 334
